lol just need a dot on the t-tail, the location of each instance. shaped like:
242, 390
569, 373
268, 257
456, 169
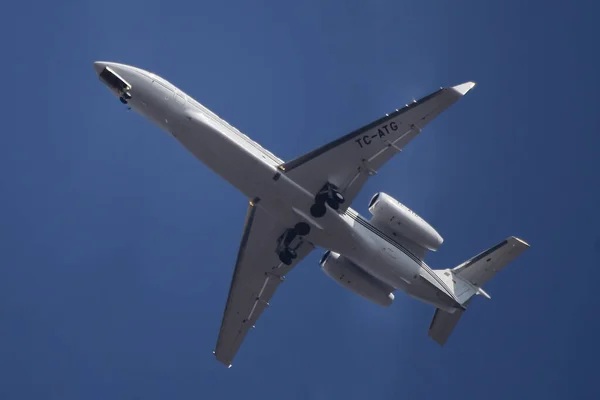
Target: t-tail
467, 280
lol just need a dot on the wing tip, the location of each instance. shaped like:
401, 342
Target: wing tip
464, 88
225, 361
524, 243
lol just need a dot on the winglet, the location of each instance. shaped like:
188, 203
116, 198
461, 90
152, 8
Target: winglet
463, 88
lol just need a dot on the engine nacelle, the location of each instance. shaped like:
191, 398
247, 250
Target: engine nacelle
403, 221
347, 274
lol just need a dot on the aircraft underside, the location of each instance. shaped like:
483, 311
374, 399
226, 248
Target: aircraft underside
304, 203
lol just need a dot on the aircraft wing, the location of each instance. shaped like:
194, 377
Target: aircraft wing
348, 161
257, 274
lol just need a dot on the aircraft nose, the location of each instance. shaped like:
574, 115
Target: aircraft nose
99, 66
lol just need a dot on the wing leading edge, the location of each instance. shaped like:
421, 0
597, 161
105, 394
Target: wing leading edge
348, 161
257, 274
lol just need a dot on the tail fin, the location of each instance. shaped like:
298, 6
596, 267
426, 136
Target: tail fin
467, 279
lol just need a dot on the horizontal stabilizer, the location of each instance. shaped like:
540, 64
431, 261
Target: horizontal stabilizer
484, 266
443, 324
465, 281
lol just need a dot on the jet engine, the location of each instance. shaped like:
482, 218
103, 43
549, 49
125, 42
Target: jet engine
350, 276
402, 221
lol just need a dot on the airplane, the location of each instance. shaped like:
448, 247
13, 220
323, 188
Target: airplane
298, 205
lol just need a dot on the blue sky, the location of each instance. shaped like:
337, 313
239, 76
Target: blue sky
117, 246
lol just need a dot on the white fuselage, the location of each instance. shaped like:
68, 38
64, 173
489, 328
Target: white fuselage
253, 170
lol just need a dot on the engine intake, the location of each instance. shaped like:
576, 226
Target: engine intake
403, 221
350, 276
